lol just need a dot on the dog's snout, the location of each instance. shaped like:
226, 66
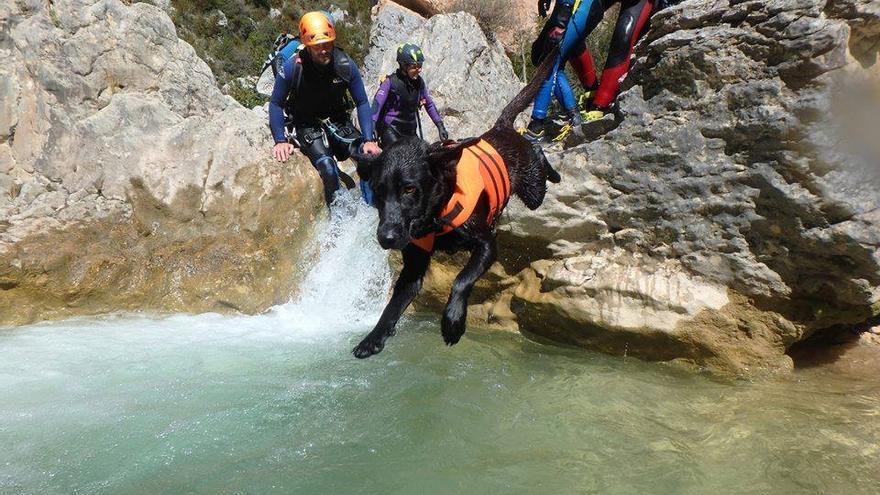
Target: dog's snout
386, 240
387, 236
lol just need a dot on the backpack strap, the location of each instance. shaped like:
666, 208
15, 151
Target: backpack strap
342, 65
296, 75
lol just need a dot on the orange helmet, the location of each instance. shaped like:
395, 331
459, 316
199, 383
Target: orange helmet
315, 28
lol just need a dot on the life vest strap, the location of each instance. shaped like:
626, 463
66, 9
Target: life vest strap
446, 220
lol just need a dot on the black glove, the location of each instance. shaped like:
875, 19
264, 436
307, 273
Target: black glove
444, 136
543, 7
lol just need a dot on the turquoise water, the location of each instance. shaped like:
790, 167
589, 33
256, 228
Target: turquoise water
213, 404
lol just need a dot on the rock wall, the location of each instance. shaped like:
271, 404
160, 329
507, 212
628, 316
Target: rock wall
127, 180
733, 210
512, 22
469, 76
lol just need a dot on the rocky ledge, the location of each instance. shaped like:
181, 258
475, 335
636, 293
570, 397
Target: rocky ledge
127, 180
732, 211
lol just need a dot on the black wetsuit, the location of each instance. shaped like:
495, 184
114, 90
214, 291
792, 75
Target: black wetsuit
396, 107
316, 100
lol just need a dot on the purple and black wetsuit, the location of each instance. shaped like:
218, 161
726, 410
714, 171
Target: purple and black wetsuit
396, 107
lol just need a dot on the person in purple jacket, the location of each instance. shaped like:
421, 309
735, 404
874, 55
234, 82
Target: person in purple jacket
397, 101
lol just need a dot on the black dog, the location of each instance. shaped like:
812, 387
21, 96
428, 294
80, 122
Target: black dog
414, 185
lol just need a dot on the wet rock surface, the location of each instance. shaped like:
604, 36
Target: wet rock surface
127, 180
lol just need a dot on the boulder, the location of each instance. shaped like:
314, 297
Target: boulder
127, 180
469, 77
513, 22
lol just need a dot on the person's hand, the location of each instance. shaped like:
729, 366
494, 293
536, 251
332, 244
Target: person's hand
282, 151
371, 148
441, 129
555, 35
543, 7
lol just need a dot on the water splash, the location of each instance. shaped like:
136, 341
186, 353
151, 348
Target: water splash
349, 282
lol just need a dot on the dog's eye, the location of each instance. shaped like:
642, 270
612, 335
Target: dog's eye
409, 189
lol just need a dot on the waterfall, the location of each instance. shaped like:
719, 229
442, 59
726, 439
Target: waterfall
350, 279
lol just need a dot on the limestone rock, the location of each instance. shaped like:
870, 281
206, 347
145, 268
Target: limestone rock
513, 22
469, 77
733, 210
128, 180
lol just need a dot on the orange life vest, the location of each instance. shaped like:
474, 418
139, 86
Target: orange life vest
480, 170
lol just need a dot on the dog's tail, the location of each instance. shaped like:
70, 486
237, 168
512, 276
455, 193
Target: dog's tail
527, 94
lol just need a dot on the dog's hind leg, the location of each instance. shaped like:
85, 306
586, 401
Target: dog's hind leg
455, 313
409, 282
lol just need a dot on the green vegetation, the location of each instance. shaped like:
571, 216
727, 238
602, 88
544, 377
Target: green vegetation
239, 48
493, 16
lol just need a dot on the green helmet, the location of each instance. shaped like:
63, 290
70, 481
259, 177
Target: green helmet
410, 53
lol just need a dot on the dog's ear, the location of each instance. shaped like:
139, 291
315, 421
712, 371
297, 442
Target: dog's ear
444, 154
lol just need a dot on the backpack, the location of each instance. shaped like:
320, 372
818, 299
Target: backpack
285, 46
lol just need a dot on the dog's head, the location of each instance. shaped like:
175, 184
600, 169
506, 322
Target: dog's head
411, 182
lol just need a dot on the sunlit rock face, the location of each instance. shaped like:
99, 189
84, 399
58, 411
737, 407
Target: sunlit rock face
734, 208
513, 21
468, 75
127, 180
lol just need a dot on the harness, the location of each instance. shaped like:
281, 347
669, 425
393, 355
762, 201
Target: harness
481, 171
342, 68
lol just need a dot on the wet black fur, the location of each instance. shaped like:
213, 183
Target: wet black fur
413, 181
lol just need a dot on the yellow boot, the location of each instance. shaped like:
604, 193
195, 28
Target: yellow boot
592, 115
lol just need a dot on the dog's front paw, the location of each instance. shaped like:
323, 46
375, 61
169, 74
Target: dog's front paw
367, 348
452, 328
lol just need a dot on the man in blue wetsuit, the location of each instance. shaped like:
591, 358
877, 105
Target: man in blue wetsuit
313, 90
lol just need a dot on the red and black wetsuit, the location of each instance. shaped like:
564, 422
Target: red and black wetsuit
631, 24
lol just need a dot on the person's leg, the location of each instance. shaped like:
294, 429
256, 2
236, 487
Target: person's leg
582, 62
562, 86
545, 92
563, 91
631, 22
344, 137
547, 39
313, 146
582, 22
